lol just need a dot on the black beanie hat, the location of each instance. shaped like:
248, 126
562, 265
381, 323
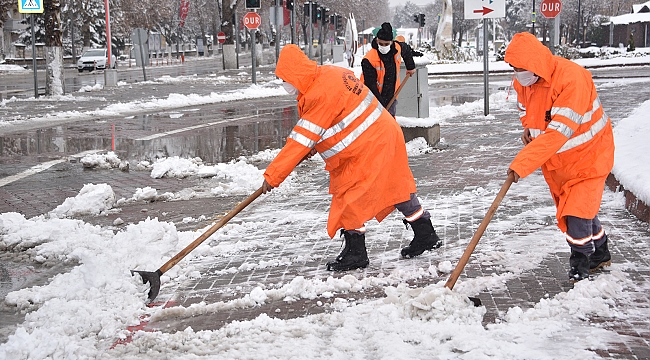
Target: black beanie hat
386, 32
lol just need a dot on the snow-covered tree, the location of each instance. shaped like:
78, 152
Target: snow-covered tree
5, 7
517, 17
461, 25
404, 16
54, 48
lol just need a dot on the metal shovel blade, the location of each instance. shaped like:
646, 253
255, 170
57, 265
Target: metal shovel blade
152, 278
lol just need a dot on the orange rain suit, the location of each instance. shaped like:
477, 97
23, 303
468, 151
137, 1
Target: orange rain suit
574, 143
361, 143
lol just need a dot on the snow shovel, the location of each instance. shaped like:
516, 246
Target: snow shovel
477, 236
398, 90
153, 278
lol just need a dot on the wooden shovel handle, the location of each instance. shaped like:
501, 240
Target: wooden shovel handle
173, 261
479, 232
398, 90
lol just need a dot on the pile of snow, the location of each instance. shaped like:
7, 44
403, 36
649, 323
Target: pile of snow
418, 146
103, 161
91, 200
632, 152
7, 68
89, 88
409, 323
263, 156
147, 194
235, 177
176, 167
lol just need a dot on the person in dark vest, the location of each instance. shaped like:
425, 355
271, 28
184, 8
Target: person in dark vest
381, 66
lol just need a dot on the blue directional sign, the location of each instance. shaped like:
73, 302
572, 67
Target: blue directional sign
30, 6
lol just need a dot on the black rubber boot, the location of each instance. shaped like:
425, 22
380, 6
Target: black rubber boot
425, 238
579, 263
600, 258
353, 256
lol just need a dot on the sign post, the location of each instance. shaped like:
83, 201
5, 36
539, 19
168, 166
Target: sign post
551, 9
252, 21
485, 9
140, 37
221, 38
32, 7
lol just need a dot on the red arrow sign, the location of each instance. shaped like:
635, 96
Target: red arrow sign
484, 11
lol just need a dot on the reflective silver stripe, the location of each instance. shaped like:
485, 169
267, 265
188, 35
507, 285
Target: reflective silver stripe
521, 106
416, 215
575, 117
345, 142
310, 126
567, 113
522, 114
302, 139
586, 136
535, 132
350, 118
565, 130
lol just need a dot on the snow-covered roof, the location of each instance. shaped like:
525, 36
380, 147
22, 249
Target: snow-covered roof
645, 7
630, 18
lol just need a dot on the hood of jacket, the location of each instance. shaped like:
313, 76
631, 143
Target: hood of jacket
295, 68
526, 52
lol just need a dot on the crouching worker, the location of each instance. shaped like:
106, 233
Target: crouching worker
364, 152
568, 134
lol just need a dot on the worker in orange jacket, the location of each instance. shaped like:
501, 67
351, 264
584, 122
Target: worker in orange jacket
364, 152
380, 66
568, 134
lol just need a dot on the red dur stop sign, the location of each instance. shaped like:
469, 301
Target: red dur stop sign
550, 8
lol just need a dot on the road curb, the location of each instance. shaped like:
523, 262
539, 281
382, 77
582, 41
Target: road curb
632, 203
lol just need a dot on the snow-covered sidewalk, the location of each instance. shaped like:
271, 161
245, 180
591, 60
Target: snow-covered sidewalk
265, 270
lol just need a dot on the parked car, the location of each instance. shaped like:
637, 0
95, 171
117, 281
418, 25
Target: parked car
95, 59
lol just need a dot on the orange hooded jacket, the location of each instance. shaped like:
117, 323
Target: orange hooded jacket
573, 141
361, 143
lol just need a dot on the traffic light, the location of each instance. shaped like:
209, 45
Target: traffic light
289, 5
253, 4
305, 9
323, 15
416, 18
338, 21
314, 12
421, 20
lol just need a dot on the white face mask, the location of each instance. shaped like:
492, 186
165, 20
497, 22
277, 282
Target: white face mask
526, 78
383, 49
289, 88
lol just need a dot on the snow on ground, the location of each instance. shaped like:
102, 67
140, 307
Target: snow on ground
270, 89
7, 68
83, 312
632, 154
80, 314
